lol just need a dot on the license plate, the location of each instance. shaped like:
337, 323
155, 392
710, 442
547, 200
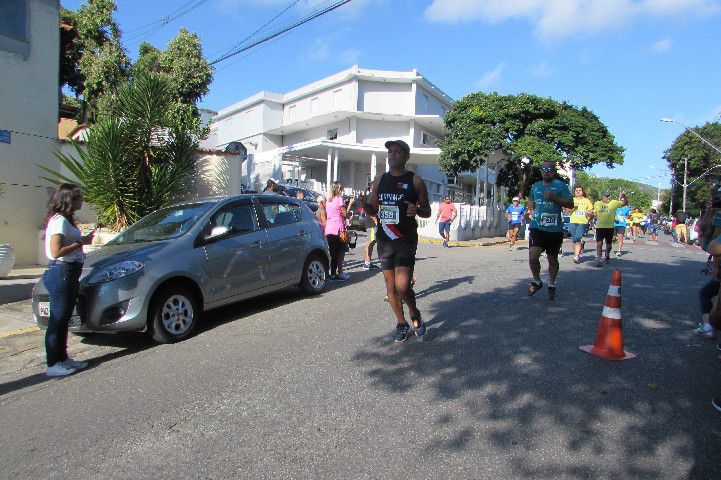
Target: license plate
44, 309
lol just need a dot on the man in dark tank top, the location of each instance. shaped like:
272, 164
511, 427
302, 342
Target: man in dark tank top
396, 197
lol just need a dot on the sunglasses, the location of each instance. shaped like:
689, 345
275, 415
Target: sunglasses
547, 169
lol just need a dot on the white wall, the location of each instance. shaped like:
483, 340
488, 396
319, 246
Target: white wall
28, 103
377, 132
335, 98
429, 104
385, 97
317, 133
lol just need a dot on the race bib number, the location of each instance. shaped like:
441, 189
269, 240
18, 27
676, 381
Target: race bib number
580, 213
549, 220
514, 217
389, 214
620, 218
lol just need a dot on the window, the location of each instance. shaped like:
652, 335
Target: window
332, 134
279, 214
13, 19
425, 101
428, 139
314, 105
240, 218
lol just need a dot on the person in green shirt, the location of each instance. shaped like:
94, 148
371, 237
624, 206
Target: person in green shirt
605, 212
578, 224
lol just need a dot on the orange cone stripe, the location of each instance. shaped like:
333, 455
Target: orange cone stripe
613, 302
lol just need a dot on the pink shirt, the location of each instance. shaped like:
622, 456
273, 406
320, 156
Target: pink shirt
334, 222
446, 210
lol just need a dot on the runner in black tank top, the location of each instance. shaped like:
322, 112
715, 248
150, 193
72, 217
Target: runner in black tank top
393, 193
398, 196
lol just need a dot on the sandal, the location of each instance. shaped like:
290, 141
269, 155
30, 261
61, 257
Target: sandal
534, 288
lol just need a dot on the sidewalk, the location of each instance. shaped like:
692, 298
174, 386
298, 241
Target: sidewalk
16, 314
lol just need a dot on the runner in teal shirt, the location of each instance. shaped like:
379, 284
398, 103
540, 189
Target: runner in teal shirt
547, 214
547, 198
619, 222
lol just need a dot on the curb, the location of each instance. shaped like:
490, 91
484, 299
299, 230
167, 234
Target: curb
19, 332
464, 244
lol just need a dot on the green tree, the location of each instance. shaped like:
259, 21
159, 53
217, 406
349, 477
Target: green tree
93, 62
187, 73
136, 160
638, 194
701, 158
523, 126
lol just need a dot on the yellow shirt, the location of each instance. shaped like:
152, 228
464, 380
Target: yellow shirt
636, 218
581, 205
606, 213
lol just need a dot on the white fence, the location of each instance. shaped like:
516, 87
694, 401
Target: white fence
471, 223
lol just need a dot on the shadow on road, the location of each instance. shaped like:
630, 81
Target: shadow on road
514, 365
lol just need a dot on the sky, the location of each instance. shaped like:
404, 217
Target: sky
631, 62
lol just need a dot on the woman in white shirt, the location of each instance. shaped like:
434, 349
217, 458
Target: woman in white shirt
64, 248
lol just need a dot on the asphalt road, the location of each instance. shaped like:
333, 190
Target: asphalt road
292, 387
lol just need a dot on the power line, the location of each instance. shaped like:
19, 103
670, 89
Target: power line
161, 23
261, 28
296, 24
29, 134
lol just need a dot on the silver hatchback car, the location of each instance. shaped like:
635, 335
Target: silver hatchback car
168, 267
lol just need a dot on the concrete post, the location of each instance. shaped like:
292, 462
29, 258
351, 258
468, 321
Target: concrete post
327, 173
373, 166
335, 166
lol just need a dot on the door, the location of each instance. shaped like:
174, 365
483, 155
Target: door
286, 238
238, 254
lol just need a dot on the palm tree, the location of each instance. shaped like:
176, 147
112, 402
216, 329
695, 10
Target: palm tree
138, 157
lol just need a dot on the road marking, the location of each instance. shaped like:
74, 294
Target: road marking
19, 332
676, 245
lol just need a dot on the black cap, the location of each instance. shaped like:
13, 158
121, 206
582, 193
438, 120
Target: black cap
401, 144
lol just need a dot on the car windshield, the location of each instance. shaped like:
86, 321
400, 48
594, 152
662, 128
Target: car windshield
163, 224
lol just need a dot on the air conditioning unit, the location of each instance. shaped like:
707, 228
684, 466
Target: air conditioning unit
453, 180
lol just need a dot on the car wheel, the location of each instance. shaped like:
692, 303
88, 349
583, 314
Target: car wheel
314, 279
174, 314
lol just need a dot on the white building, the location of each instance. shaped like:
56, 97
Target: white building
29, 62
335, 129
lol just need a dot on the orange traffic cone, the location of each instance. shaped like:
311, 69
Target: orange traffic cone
609, 336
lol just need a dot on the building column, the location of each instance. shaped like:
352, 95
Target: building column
327, 172
388, 167
373, 166
485, 187
478, 186
352, 175
335, 166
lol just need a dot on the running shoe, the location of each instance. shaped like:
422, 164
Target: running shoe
618, 254
59, 369
333, 277
445, 244
343, 276
535, 287
72, 363
705, 331
576, 260
599, 263
551, 292
420, 330
401, 334
716, 403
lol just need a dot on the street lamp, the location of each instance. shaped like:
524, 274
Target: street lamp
671, 120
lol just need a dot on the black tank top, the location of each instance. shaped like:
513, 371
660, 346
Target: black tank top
393, 193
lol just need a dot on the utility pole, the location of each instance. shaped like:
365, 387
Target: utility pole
685, 184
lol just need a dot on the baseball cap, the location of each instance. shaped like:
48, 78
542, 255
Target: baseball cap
606, 194
400, 143
516, 199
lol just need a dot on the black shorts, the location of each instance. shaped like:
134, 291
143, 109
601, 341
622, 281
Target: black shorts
604, 234
620, 230
549, 242
396, 253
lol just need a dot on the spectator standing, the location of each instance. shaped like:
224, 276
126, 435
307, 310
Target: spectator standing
335, 213
681, 231
446, 215
64, 250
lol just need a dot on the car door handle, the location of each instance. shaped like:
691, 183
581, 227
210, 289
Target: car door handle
302, 233
257, 244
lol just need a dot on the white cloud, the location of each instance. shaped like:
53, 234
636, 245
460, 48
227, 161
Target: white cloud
564, 18
661, 45
491, 78
541, 70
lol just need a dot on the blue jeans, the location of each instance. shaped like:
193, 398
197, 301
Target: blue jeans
706, 293
577, 231
62, 281
444, 228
